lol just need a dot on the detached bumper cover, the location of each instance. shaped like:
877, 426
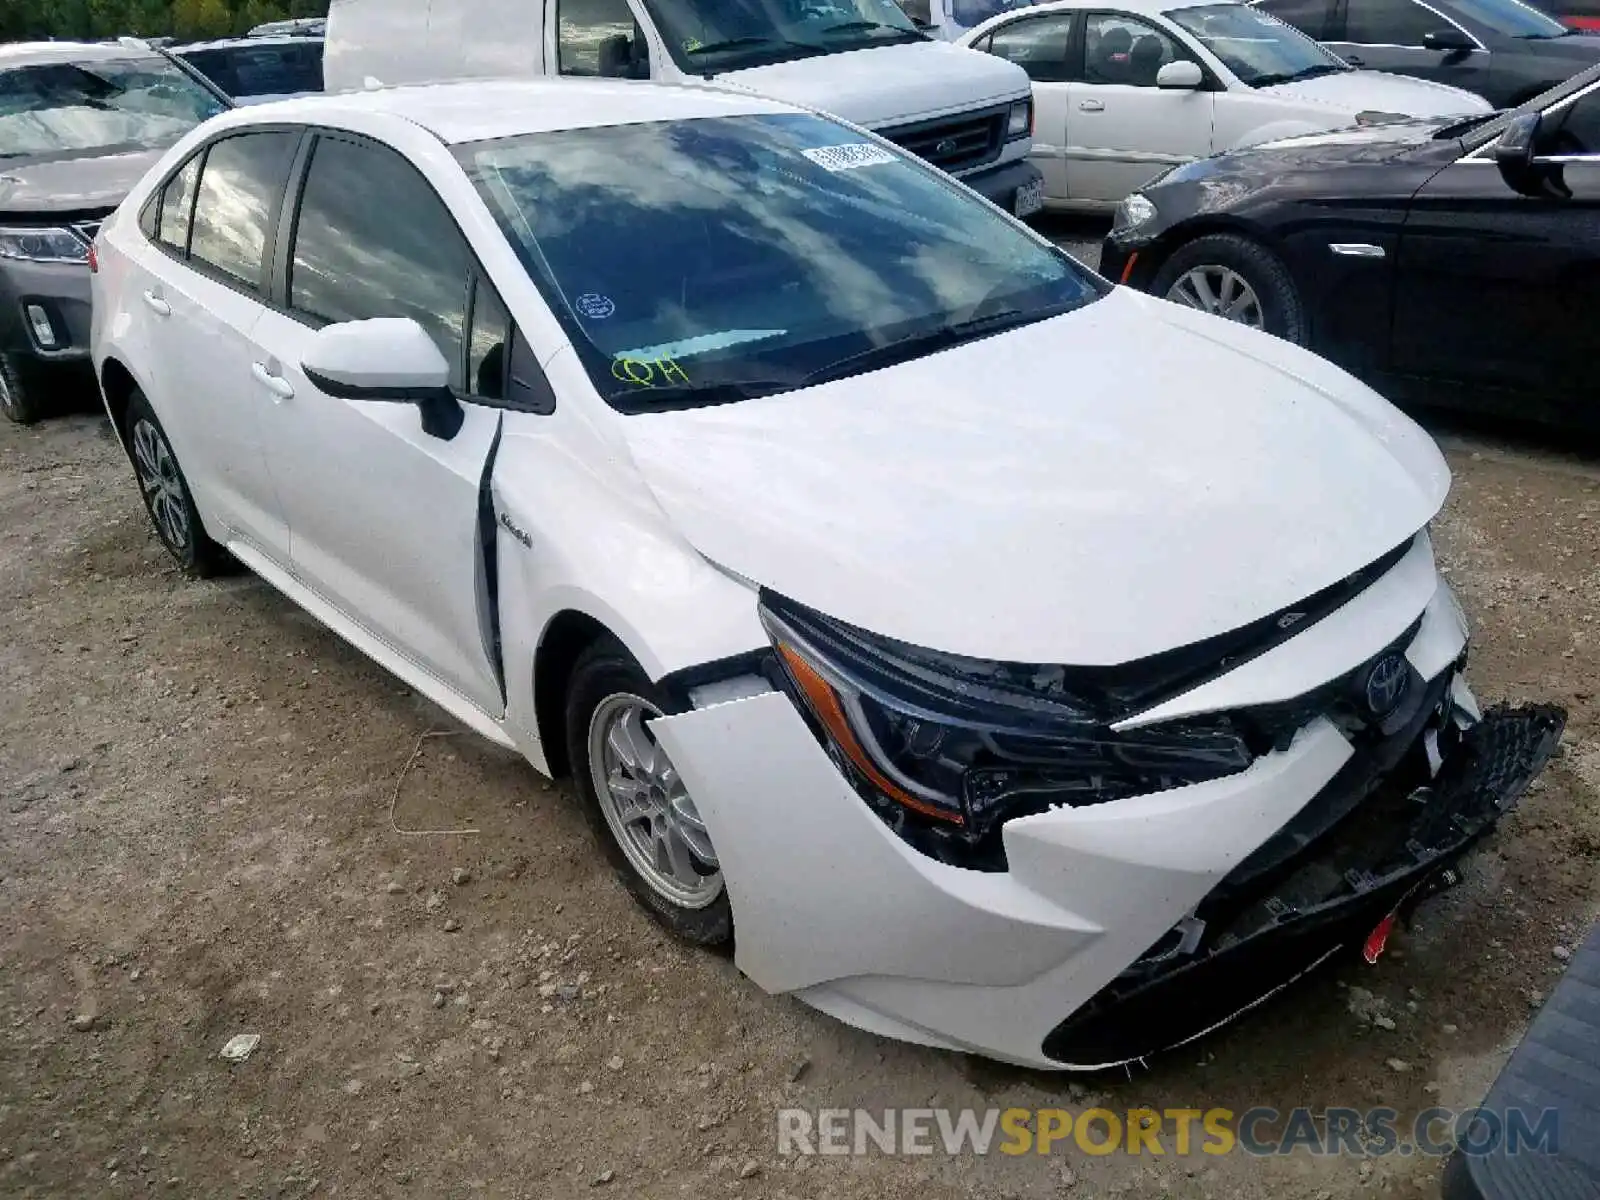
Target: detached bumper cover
1373, 862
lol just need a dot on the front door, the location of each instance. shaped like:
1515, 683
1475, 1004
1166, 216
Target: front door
1122, 130
1497, 290
386, 519
1040, 46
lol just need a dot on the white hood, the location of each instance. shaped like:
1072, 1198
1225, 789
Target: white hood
1377, 91
888, 85
1089, 490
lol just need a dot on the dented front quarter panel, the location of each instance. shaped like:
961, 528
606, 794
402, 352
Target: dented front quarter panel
586, 536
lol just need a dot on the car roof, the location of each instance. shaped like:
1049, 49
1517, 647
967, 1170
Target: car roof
237, 43
481, 110
1139, 7
33, 54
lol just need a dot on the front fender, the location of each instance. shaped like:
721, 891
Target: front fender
1275, 130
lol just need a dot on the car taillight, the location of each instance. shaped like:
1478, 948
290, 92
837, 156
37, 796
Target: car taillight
94, 259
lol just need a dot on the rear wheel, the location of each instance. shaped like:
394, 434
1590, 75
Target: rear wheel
17, 401
635, 800
1235, 278
166, 494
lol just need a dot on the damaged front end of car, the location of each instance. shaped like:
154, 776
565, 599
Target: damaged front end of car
947, 751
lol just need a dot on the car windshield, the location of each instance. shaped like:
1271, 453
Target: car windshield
706, 37
51, 110
1257, 47
703, 261
1512, 19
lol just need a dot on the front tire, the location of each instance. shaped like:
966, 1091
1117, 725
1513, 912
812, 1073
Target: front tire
17, 400
1235, 278
635, 801
166, 494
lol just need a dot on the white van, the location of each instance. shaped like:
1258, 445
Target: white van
864, 60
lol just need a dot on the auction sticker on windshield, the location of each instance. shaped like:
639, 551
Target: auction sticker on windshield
849, 157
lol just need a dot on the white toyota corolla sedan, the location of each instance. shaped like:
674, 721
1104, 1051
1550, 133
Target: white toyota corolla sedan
1007, 662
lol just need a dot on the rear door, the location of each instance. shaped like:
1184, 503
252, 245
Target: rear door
386, 520
1497, 290
1040, 45
1386, 35
1122, 130
213, 235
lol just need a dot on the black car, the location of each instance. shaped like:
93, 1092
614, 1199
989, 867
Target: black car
1447, 261
1504, 50
79, 124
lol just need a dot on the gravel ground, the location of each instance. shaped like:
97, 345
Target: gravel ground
201, 836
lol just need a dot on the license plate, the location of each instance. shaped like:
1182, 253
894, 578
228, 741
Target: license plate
1030, 198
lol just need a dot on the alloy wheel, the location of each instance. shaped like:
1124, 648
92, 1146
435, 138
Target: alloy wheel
647, 806
8, 399
162, 485
1221, 291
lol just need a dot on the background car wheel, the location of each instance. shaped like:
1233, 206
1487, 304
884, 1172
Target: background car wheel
636, 803
166, 494
17, 402
1233, 277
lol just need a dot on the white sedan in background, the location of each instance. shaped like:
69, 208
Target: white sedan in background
1124, 89
995, 652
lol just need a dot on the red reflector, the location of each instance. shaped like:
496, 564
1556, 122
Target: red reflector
1127, 270
94, 259
1378, 939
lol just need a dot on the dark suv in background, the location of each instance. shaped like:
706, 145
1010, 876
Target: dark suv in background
259, 68
79, 125
1503, 50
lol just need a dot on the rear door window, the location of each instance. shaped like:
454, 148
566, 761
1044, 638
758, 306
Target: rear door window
177, 207
1036, 44
241, 190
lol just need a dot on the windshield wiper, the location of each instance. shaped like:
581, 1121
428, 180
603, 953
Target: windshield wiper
1295, 76
861, 26
695, 395
737, 43
927, 341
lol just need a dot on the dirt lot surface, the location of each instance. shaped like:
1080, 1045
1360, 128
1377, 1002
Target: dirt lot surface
197, 841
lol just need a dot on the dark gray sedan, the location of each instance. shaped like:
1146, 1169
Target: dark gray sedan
79, 125
1505, 51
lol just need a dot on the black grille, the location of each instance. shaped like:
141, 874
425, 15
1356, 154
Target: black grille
955, 143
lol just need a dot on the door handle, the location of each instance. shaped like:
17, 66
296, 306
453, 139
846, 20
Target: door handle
276, 384
157, 305
1355, 60
1092, 105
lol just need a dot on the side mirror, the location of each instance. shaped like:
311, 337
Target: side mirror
387, 359
1513, 153
1180, 76
1449, 40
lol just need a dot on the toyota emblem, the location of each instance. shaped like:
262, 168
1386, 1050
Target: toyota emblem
946, 147
1386, 684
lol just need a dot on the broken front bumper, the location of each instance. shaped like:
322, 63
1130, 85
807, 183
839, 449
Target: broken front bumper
1066, 957
1267, 928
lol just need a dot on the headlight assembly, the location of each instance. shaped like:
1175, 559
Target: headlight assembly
1132, 212
43, 244
945, 748
1019, 121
